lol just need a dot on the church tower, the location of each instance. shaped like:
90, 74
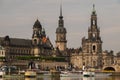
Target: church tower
36, 37
93, 44
61, 42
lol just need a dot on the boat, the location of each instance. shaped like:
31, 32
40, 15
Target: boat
70, 74
30, 73
88, 74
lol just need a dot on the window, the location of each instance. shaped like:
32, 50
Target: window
94, 48
35, 41
2, 52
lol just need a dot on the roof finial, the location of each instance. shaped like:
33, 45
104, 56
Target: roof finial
94, 8
61, 10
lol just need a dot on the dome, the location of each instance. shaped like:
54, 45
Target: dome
60, 30
37, 24
7, 38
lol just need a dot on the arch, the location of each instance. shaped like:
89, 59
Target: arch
94, 48
109, 69
35, 41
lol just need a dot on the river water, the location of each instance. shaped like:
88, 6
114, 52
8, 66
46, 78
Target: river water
66, 78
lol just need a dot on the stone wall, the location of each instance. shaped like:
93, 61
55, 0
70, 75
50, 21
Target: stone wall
23, 64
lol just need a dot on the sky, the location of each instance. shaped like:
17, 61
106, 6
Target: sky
17, 18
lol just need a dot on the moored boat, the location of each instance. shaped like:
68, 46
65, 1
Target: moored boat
70, 74
30, 73
88, 74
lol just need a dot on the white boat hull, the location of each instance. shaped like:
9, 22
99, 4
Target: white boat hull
88, 74
70, 74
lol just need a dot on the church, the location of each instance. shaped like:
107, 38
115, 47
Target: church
92, 55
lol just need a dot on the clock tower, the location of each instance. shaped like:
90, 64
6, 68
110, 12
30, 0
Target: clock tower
61, 42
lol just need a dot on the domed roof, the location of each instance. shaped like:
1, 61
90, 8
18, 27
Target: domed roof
7, 38
61, 30
37, 24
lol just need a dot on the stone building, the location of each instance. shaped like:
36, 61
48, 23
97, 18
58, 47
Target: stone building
39, 45
92, 55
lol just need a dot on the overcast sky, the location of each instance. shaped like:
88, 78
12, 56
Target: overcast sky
18, 16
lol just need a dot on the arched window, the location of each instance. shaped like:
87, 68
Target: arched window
94, 47
2, 52
35, 41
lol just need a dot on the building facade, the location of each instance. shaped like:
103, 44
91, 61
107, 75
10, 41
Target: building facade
92, 55
39, 45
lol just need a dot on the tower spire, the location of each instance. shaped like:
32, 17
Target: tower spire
94, 8
61, 41
61, 10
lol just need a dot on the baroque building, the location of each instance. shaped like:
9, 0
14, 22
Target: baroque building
92, 55
39, 45
19, 52
92, 46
